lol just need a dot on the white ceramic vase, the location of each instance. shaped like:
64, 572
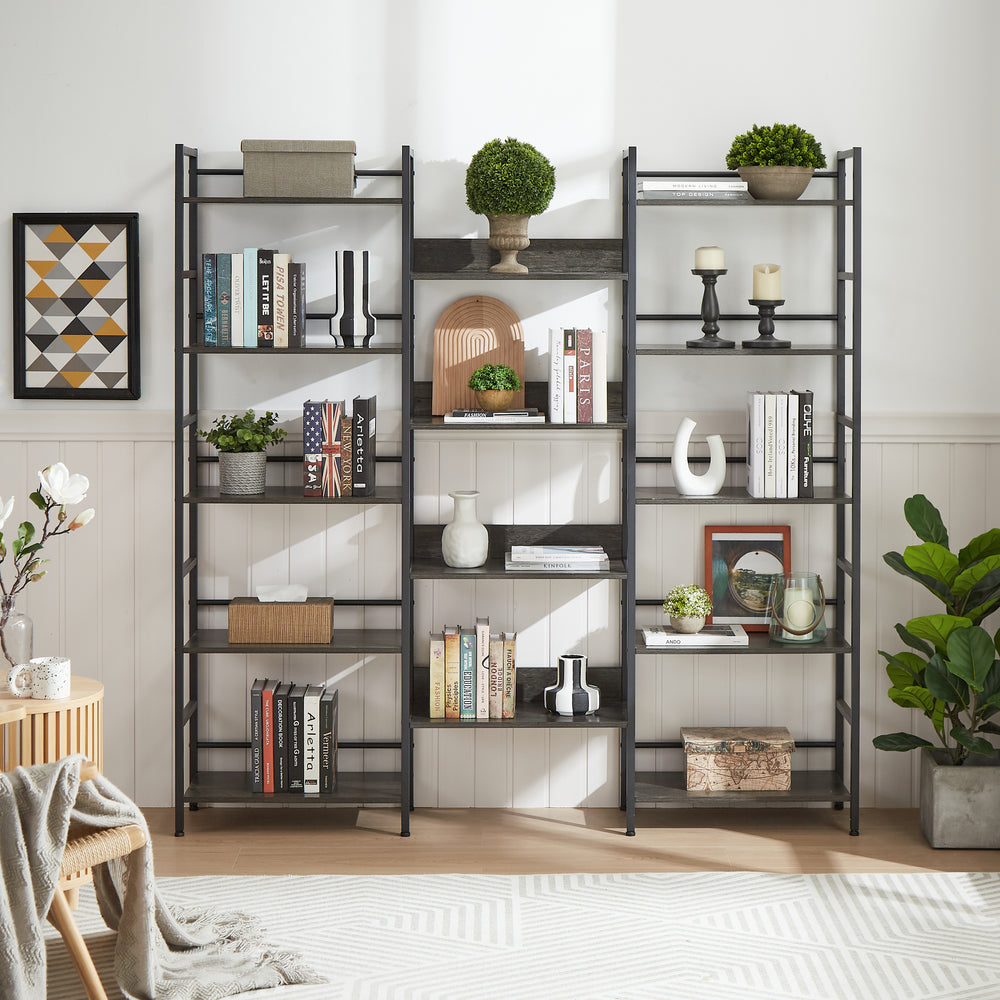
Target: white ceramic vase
465, 542
688, 483
571, 694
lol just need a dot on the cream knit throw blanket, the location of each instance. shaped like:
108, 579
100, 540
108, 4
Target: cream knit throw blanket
161, 953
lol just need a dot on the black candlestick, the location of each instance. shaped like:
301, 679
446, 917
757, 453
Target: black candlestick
767, 340
710, 310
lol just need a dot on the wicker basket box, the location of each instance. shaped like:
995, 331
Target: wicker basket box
741, 759
298, 168
251, 620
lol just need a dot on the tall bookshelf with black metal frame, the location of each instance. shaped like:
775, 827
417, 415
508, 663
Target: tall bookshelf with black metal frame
841, 784
194, 784
573, 260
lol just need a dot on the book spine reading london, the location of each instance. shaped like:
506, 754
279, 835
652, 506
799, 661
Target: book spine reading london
569, 376
265, 298
237, 299
496, 675
437, 675
250, 296
310, 741
363, 447
296, 305
584, 376
224, 297
509, 674
267, 732
296, 734
281, 737
452, 673
209, 301
256, 738
281, 264
328, 741
312, 441
467, 668
482, 668
555, 376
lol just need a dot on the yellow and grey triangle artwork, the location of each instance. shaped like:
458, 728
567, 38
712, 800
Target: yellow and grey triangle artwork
76, 305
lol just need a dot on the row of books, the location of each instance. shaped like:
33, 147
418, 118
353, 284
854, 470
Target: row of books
293, 737
661, 636
256, 298
670, 189
557, 558
780, 444
339, 449
578, 376
472, 672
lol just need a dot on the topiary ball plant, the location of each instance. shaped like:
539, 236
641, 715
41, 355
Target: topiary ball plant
687, 602
509, 178
775, 146
497, 378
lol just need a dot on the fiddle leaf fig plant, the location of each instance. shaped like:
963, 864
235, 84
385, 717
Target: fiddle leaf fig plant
950, 670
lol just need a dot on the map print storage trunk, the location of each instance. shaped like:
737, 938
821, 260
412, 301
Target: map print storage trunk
746, 759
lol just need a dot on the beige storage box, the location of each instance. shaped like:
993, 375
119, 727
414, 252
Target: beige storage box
251, 620
738, 759
298, 168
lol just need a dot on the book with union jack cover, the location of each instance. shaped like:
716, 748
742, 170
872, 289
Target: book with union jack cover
322, 438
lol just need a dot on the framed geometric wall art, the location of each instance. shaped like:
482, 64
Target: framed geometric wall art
76, 305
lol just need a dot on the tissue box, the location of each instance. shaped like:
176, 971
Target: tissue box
298, 168
738, 759
251, 620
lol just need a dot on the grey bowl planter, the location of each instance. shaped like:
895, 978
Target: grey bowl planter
241, 473
960, 806
778, 183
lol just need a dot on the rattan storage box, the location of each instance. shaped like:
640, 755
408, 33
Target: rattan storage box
298, 168
251, 620
738, 759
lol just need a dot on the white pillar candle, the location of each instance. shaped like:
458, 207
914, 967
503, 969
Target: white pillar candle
799, 610
766, 281
709, 259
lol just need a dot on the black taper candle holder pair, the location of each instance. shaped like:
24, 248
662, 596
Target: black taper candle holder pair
766, 339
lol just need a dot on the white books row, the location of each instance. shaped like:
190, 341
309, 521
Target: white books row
557, 558
780, 444
647, 185
710, 635
578, 376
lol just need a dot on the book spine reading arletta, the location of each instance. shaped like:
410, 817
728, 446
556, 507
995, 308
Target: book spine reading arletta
467, 667
267, 733
224, 297
265, 298
312, 440
569, 376
282, 261
509, 673
555, 376
328, 741
210, 305
256, 738
363, 447
496, 675
346, 451
310, 741
237, 269
436, 681
584, 376
452, 673
807, 487
281, 693
296, 305
250, 296
482, 668
296, 734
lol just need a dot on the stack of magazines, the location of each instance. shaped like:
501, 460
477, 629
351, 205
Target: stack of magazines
711, 635
558, 558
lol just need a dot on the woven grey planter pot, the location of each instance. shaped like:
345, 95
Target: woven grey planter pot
241, 473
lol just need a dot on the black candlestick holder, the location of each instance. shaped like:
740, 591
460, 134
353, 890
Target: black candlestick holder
710, 311
767, 340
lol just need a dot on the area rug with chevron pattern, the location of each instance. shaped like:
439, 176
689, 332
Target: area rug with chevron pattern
702, 936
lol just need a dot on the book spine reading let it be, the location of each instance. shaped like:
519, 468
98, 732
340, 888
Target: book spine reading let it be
265, 298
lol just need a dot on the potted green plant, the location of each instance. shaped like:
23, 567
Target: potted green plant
688, 607
494, 386
776, 161
507, 182
241, 442
950, 672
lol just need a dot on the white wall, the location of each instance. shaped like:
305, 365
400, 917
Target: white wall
97, 97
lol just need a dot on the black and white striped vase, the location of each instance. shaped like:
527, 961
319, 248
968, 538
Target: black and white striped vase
571, 694
352, 325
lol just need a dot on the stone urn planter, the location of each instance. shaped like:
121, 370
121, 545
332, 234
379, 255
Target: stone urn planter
509, 234
778, 183
960, 806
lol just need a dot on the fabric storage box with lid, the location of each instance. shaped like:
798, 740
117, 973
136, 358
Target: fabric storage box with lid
251, 620
745, 759
298, 168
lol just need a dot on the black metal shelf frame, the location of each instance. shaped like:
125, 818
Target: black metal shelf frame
192, 783
840, 786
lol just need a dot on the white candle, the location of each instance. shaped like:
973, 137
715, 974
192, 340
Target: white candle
799, 610
709, 259
766, 281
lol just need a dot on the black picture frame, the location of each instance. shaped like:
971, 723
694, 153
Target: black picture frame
76, 305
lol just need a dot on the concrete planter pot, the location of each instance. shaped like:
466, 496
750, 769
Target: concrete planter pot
960, 806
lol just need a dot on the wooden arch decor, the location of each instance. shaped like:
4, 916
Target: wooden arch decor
472, 332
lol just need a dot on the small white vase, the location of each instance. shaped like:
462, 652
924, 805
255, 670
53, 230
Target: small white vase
688, 624
465, 542
571, 694
688, 483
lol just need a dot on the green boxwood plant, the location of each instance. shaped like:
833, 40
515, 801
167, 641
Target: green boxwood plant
509, 178
775, 145
246, 433
686, 602
950, 671
498, 378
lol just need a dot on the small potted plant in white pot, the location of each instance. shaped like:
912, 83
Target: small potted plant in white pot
687, 607
508, 182
777, 161
494, 386
241, 442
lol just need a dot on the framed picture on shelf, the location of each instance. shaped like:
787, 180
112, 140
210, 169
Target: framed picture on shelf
76, 305
740, 561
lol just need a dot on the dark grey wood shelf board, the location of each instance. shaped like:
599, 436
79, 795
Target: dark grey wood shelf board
345, 640
546, 259
252, 352
731, 495
290, 495
760, 645
652, 787
679, 350
354, 788
240, 200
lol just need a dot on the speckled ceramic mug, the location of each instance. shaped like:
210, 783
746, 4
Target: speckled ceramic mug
43, 677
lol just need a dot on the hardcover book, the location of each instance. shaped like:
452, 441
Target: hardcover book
267, 732
555, 376
806, 486
296, 305
346, 451
770, 445
493, 417
296, 734
755, 444
256, 737
281, 693
452, 673
781, 445
328, 704
310, 740
584, 376
496, 675
237, 270
363, 447
224, 297
557, 564
569, 376
482, 668
250, 296
436, 707
210, 303
509, 673
793, 445
281, 264
710, 635
312, 441
331, 453
600, 376
467, 668
265, 298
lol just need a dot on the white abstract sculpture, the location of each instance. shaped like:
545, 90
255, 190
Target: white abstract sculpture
688, 483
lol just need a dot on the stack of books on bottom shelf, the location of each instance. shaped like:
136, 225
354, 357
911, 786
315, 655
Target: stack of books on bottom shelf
656, 636
472, 672
557, 558
293, 737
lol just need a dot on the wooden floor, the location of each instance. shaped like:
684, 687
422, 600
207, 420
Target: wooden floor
265, 841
